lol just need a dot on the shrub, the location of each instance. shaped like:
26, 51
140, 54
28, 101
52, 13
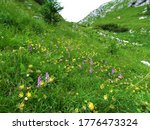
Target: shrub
114, 28
50, 12
41, 2
113, 49
148, 10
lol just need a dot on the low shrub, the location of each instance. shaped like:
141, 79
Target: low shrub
113, 28
50, 12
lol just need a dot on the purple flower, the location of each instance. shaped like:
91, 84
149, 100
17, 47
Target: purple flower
30, 48
91, 70
39, 81
47, 77
112, 71
91, 61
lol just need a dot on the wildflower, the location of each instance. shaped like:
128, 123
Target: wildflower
28, 94
111, 106
30, 48
30, 66
145, 103
114, 99
105, 97
84, 108
28, 88
39, 81
102, 86
27, 75
91, 106
91, 62
76, 110
21, 94
111, 91
47, 77
112, 71
21, 87
80, 67
26, 98
91, 70
73, 60
137, 88
21, 106
77, 94
38, 71
42, 83
51, 79
44, 96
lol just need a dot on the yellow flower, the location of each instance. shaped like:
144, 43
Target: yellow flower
44, 96
42, 83
112, 106
21, 94
76, 110
28, 94
111, 91
21, 87
84, 108
137, 88
102, 86
91, 106
105, 97
145, 103
21, 106
114, 99
77, 94
51, 79
30, 66
28, 88
73, 60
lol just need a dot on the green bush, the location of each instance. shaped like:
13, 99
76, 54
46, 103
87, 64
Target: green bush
113, 49
41, 2
148, 10
50, 12
114, 28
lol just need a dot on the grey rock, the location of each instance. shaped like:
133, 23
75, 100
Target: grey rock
136, 3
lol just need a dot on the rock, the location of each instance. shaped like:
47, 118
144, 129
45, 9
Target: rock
136, 3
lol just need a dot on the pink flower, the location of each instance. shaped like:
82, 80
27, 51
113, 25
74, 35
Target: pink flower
91, 62
47, 77
39, 81
112, 71
91, 70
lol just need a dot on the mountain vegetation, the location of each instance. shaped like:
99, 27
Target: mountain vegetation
101, 64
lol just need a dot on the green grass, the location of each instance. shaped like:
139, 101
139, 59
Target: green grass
30, 47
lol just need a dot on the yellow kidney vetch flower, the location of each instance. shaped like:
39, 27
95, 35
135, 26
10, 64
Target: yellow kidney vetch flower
105, 97
102, 86
28, 94
30, 66
91, 106
21, 106
51, 79
21, 87
21, 94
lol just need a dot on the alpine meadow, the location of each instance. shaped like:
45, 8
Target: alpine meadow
100, 64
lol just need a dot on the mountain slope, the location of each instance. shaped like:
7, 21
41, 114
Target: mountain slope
71, 68
115, 6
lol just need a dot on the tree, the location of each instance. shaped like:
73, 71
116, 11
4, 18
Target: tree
50, 11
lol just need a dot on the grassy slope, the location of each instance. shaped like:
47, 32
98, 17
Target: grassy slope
66, 52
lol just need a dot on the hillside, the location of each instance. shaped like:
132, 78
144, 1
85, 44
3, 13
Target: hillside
69, 67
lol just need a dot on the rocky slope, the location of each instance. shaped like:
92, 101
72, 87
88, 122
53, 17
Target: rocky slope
110, 6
